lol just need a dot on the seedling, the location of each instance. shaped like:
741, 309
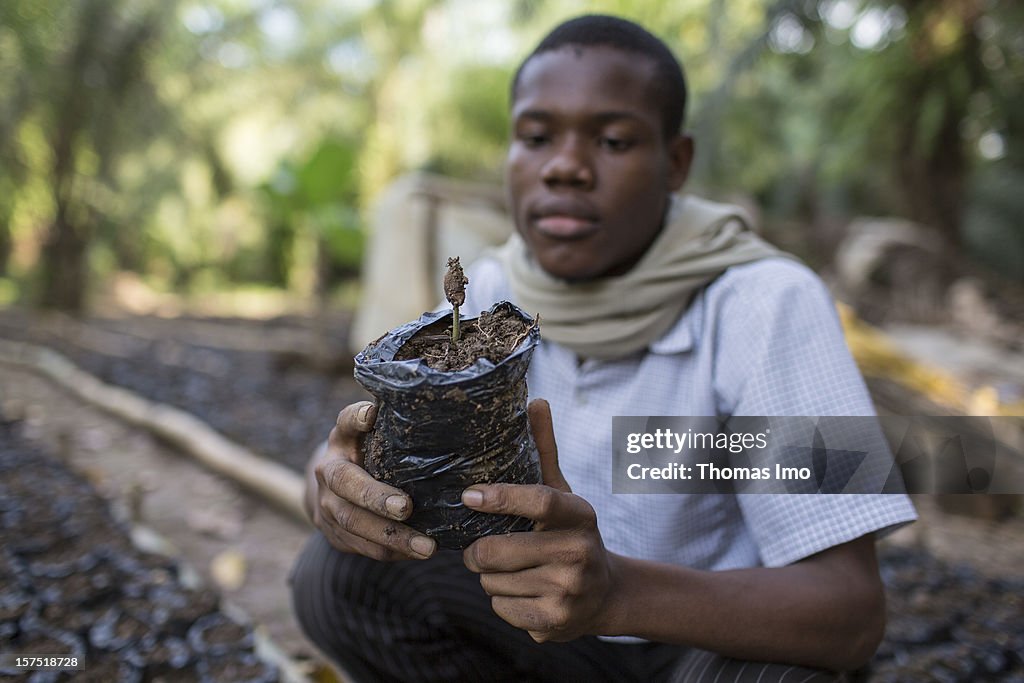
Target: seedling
455, 282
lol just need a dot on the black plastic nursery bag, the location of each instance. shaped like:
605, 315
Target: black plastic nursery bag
438, 432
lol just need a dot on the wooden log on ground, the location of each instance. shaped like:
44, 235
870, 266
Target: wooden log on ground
269, 480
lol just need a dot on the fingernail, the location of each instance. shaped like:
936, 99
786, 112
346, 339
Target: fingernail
395, 506
472, 498
364, 412
422, 545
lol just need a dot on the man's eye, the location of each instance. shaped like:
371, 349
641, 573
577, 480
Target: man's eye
615, 144
533, 140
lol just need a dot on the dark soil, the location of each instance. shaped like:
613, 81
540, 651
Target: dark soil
234, 667
215, 634
106, 668
491, 336
109, 604
946, 623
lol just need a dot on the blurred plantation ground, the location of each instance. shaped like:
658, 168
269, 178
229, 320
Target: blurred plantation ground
221, 144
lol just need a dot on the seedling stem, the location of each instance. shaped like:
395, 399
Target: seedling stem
455, 282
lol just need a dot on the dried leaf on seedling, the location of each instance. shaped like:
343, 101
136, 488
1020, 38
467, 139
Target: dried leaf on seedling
455, 282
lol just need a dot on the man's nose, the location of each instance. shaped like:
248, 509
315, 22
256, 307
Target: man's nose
569, 165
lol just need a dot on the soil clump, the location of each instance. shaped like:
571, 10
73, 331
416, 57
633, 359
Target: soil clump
493, 336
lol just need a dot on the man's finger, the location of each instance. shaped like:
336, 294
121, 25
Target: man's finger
398, 537
353, 422
522, 584
508, 552
526, 613
550, 508
348, 543
352, 483
543, 431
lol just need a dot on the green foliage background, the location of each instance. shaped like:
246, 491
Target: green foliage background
210, 144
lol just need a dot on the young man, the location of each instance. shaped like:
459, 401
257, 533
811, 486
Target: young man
652, 304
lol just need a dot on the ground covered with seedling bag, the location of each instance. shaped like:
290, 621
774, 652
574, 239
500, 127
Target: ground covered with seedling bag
72, 582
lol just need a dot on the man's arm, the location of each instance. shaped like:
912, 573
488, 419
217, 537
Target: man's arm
559, 582
825, 611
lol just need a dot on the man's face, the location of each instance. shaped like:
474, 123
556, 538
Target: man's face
589, 169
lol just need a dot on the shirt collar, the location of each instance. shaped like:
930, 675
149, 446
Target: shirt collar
680, 337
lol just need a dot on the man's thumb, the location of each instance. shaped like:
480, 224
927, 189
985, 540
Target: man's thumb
543, 431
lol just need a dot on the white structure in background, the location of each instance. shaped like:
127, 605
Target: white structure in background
417, 223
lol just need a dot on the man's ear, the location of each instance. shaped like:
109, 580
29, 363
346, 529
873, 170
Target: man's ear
680, 157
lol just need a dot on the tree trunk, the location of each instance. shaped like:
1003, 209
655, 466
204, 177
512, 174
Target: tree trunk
321, 295
5, 244
64, 250
933, 173
64, 266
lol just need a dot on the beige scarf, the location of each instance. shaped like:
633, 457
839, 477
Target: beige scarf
615, 316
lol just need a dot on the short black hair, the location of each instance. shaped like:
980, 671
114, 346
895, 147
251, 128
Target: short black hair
593, 30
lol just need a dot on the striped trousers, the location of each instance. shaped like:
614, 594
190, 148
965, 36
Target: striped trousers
420, 622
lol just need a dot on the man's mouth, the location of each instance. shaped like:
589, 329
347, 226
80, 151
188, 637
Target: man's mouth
564, 219
560, 226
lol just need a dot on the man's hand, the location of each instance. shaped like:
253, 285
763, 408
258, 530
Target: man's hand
355, 512
555, 582
558, 582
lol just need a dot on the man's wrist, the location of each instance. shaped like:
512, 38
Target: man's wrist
613, 619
